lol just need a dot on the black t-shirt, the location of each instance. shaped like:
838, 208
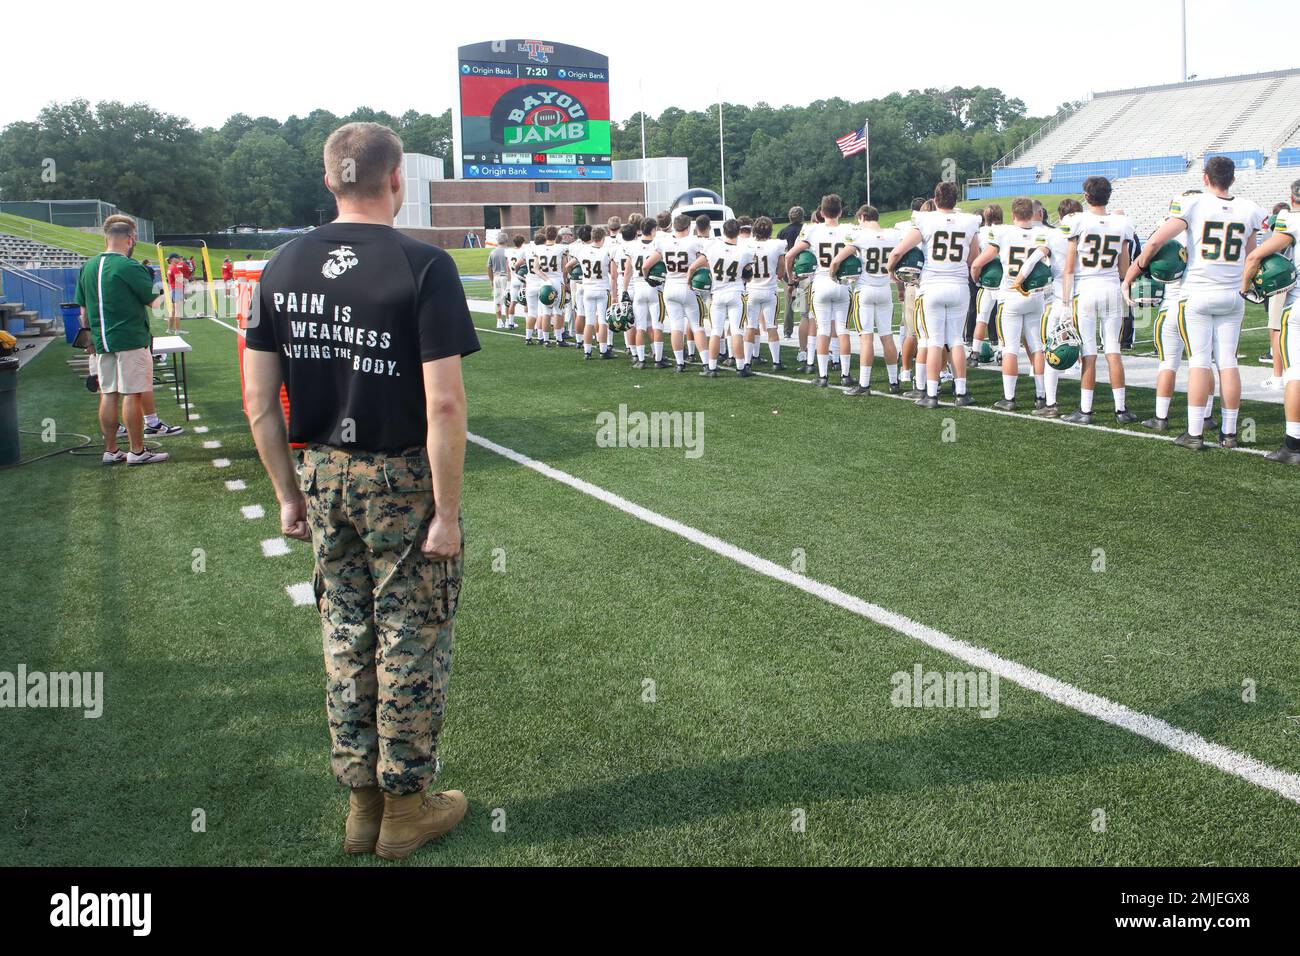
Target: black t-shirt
790, 234
354, 309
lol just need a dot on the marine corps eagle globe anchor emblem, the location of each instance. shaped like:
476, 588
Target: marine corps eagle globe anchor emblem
341, 260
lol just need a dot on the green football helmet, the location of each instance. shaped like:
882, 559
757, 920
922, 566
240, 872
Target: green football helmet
985, 352
1276, 275
657, 276
848, 270
521, 297
1039, 278
702, 280
909, 267
1063, 347
575, 272
619, 316
991, 274
1169, 263
521, 269
805, 264
547, 295
1146, 292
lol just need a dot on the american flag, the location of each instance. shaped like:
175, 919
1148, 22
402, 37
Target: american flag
853, 143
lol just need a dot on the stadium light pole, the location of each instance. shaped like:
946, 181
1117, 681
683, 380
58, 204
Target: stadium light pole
866, 134
645, 187
1184, 5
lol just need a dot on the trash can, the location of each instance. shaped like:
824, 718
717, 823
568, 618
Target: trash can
8, 411
71, 320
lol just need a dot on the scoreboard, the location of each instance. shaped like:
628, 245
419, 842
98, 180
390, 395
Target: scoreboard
532, 109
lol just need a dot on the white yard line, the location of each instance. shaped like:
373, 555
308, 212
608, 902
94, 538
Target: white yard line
1222, 758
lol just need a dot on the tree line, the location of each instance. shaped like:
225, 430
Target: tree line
267, 172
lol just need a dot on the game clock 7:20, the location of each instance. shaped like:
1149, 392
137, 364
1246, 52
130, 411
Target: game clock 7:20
536, 71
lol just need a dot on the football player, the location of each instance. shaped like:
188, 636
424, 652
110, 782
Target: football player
514, 256
678, 251
1019, 312
1168, 338
950, 240
1056, 311
550, 259
594, 259
533, 286
986, 300
1094, 268
575, 286
769, 269
647, 300
907, 293
729, 261
1281, 240
830, 300
871, 302
1220, 231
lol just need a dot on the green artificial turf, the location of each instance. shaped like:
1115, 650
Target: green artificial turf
769, 705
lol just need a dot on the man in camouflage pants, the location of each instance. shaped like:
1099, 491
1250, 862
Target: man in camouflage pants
367, 328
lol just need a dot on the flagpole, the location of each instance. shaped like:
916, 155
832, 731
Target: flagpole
645, 188
866, 132
722, 149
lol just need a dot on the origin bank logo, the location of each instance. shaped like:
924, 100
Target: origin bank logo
537, 50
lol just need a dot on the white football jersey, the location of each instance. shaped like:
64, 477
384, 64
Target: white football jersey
1058, 244
727, 262
1100, 241
1288, 224
873, 248
550, 258
678, 253
1218, 231
946, 239
514, 257
596, 263
638, 251
767, 253
1015, 245
825, 241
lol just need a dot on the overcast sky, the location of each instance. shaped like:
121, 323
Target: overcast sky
292, 56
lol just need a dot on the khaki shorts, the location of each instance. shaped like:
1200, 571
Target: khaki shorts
909, 311
1276, 305
127, 373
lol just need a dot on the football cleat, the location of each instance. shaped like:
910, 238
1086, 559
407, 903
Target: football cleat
846, 381
859, 390
680, 369
1157, 424
821, 382
895, 388
607, 354
914, 394
1284, 455
1047, 411
963, 400
1079, 417
1040, 401
663, 363
778, 367
744, 372
1228, 439
1124, 417
1005, 405
930, 401
1188, 440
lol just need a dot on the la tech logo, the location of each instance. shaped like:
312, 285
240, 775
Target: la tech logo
537, 51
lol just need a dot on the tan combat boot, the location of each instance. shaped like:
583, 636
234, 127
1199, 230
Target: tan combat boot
365, 813
413, 820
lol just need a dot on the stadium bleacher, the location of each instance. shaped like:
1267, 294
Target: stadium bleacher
24, 253
1151, 142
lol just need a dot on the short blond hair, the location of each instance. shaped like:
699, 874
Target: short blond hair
119, 225
359, 158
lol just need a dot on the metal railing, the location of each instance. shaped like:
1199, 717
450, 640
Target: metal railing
48, 295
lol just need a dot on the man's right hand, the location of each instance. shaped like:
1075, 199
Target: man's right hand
293, 517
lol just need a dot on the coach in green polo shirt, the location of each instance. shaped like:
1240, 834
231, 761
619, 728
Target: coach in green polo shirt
115, 293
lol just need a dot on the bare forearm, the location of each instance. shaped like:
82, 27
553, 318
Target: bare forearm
446, 448
266, 420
